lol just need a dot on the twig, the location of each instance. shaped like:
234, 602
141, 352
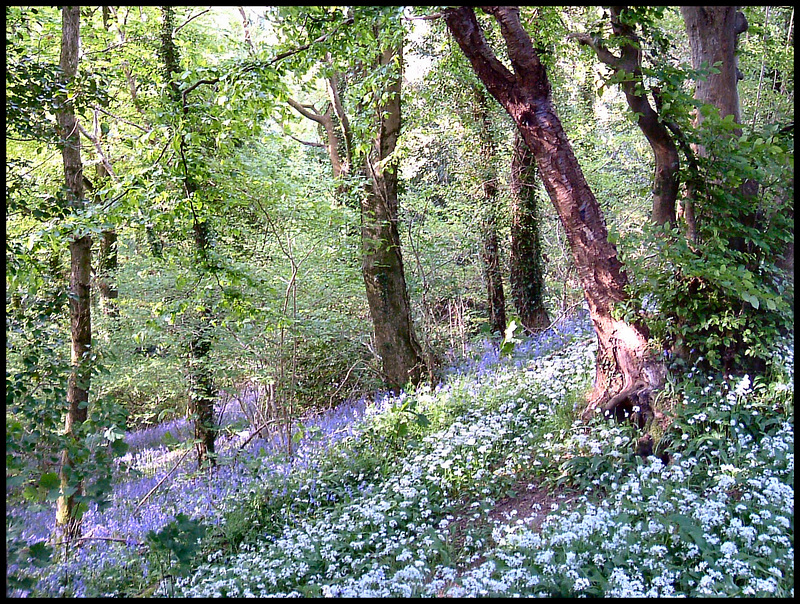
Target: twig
190, 19
562, 315
160, 482
122, 119
309, 143
116, 539
99, 149
423, 17
344, 381
256, 432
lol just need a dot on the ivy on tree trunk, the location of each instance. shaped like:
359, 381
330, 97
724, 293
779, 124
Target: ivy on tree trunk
525, 258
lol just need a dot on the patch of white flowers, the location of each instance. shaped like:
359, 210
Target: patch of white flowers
652, 535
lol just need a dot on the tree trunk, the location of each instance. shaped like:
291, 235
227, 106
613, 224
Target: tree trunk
382, 264
495, 294
79, 286
623, 366
713, 32
525, 259
202, 394
665, 152
382, 261
107, 265
491, 263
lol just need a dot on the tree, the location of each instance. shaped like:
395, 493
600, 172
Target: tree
624, 367
382, 267
382, 263
525, 257
202, 395
67, 517
488, 213
713, 33
627, 70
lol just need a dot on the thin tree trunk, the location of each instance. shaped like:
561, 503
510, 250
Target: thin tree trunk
107, 265
665, 152
525, 258
495, 294
382, 264
202, 393
623, 365
80, 249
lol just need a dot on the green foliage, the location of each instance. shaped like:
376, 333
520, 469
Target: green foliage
176, 544
721, 302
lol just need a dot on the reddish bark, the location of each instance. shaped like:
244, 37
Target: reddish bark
622, 360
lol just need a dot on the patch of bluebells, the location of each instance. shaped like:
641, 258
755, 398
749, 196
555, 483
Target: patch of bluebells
206, 496
386, 536
485, 356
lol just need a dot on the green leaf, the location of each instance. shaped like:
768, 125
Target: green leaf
49, 481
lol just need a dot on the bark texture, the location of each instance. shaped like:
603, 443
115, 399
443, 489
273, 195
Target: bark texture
382, 260
525, 258
713, 32
202, 392
623, 367
382, 264
79, 283
495, 294
665, 152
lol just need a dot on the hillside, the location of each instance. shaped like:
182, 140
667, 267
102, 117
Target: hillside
485, 485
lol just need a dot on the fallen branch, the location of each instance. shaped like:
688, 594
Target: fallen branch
160, 482
115, 539
256, 432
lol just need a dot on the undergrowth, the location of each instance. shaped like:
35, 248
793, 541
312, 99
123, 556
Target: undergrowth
403, 504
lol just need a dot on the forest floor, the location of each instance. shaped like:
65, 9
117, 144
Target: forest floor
484, 485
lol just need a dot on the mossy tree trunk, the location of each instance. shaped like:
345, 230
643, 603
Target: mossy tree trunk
67, 518
490, 252
525, 258
382, 260
202, 392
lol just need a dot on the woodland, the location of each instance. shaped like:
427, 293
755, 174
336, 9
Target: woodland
399, 301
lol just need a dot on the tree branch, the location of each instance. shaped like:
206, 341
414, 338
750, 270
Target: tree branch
303, 110
190, 19
524, 59
100, 153
322, 38
122, 119
606, 56
309, 143
468, 34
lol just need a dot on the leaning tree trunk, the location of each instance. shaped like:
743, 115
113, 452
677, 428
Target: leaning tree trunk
665, 152
490, 253
202, 393
623, 364
79, 286
525, 259
382, 264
